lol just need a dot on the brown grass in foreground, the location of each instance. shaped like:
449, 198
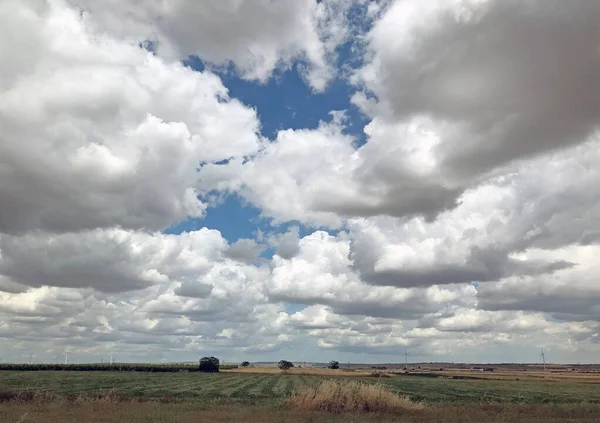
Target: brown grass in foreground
95, 412
110, 396
350, 396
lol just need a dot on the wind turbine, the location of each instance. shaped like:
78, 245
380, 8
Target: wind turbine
405, 360
111, 357
66, 357
543, 359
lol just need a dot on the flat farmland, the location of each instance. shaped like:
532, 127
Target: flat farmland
527, 391
150, 386
250, 397
256, 386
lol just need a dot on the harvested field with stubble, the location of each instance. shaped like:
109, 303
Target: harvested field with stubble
197, 397
154, 386
306, 371
192, 386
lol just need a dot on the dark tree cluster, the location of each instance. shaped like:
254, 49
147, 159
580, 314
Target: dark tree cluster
209, 365
285, 365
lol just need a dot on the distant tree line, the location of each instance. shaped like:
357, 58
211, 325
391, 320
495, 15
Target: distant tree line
286, 365
123, 367
205, 365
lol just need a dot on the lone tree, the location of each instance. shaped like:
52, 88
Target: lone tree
245, 363
334, 365
285, 365
209, 364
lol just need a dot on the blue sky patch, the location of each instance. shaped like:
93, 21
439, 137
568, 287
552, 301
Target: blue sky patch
234, 218
285, 101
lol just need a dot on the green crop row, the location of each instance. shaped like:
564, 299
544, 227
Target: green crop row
181, 385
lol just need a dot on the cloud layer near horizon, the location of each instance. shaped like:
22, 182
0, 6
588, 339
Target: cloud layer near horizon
467, 221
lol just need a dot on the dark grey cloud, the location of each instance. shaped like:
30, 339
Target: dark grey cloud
245, 250
415, 308
108, 261
194, 289
481, 266
417, 304
554, 303
98, 260
572, 292
287, 244
475, 264
556, 210
399, 194
517, 79
565, 301
504, 81
7, 285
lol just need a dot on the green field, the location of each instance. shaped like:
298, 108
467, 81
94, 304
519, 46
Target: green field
190, 386
247, 398
497, 391
157, 385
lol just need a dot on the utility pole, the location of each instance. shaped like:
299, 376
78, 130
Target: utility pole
543, 359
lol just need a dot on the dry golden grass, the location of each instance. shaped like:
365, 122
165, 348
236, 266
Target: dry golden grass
521, 375
335, 396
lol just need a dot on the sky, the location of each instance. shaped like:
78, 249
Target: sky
298, 179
